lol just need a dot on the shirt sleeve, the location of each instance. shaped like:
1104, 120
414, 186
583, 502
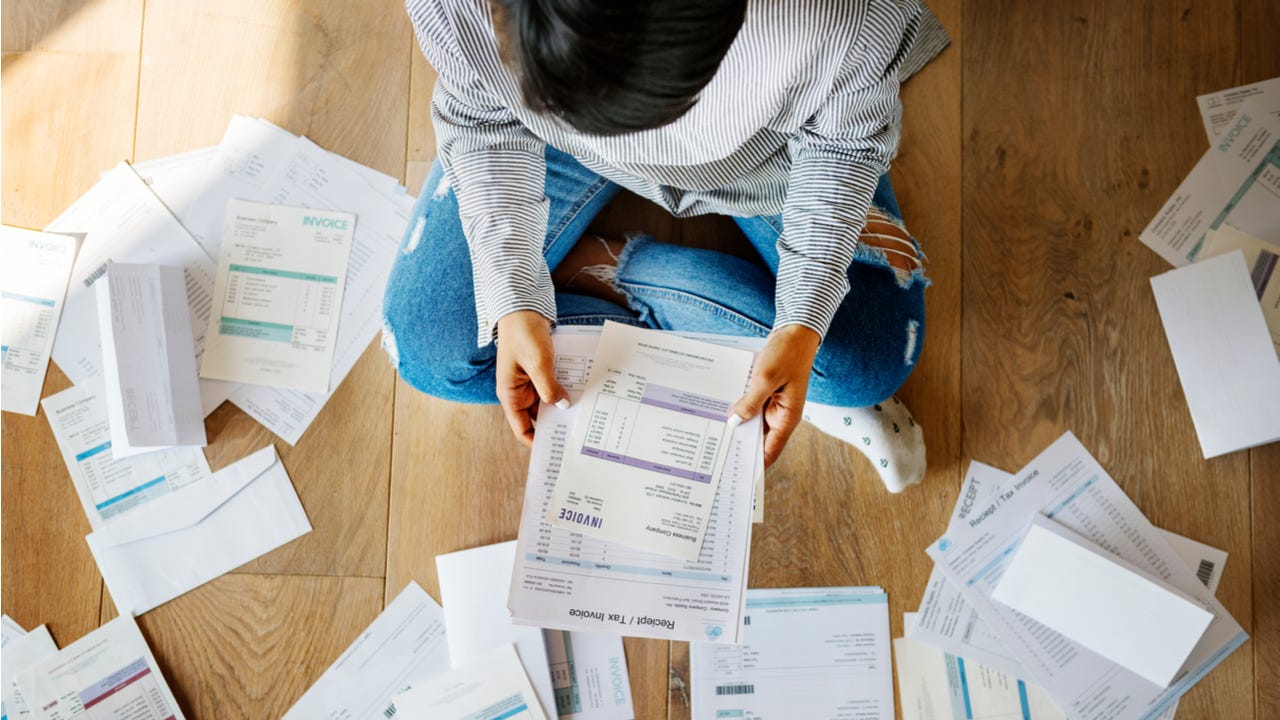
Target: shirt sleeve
837, 160
497, 170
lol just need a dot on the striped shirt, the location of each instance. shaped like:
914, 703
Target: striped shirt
801, 119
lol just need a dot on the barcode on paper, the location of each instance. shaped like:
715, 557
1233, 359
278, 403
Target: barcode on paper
93, 276
735, 689
390, 712
1205, 571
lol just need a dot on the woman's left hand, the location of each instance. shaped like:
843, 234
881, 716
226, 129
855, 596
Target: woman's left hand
778, 385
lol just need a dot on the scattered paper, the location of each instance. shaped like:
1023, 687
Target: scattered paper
1100, 602
934, 685
277, 297
121, 220
1218, 109
473, 590
806, 653
108, 673
19, 650
149, 366
589, 675
404, 647
111, 488
1226, 361
568, 581
492, 687
1067, 485
33, 283
180, 542
644, 458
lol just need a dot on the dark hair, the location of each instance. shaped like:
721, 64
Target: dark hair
609, 67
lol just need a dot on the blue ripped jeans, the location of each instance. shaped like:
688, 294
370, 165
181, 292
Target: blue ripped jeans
430, 317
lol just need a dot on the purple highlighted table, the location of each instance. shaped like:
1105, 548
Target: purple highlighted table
665, 430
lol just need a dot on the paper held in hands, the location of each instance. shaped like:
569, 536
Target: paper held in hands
647, 450
277, 295
1098, 600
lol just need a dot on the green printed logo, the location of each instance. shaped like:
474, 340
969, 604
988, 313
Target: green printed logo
324, 222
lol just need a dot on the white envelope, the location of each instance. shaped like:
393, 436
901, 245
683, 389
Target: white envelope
1101, 602
185, 539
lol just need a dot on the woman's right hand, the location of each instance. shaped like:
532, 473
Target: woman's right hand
526, 371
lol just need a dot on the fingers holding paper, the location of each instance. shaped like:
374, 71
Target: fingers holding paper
779, 383
526, 371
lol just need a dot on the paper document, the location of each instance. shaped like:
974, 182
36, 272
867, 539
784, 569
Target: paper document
1263, 262
33, 283
1218, 109
1067, 485
806, 653
565, 580
148, 359
1227, 364
473, 589
180, 542
492, 687
111, 488
405, 646
1237, 183
589, 675
121, 220
109, 673
277, 296
934, 685
19, 650
260, 162
1101, 602
645, 456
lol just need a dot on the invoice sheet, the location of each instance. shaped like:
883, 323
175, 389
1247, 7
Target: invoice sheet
806, 653
405, 646
33, 284
589, 675
277, 296
21, 650
1176, 232
565, 580
1248, 162
645, 456
1223, 351
934, 685
1218, 109
270, 165
148, 359
1100, 601
473, 589
109, 487
1068, 486
1263, 262
121, 220
492, 687
107, 674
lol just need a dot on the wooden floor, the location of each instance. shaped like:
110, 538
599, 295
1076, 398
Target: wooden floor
1035, 150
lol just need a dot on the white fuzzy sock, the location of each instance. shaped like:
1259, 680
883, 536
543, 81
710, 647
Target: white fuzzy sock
885, 433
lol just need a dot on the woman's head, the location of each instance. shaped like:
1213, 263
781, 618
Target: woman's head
609, 67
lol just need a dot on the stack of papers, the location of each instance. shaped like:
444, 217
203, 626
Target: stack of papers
566, 580
806, 653
108, 673
19, 650
1222, 315
175, 212
1016, 547
414, 643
